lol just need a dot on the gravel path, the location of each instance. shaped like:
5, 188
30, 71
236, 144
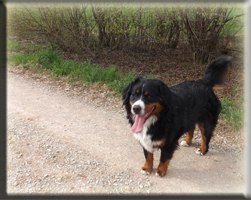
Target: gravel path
61, 139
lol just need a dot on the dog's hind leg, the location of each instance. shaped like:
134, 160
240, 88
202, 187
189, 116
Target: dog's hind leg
188, 139
206, 133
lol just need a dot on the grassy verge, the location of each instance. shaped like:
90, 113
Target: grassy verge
232, 110
86, 72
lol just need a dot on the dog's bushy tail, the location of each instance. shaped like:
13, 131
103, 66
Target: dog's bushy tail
216, 71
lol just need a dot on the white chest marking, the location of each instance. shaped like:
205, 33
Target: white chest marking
144, 138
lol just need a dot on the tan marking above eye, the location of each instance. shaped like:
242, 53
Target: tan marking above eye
137, 91
146, 93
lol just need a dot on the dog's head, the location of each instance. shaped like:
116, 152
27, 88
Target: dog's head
144, 99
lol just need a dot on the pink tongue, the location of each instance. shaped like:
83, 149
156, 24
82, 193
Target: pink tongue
138, 123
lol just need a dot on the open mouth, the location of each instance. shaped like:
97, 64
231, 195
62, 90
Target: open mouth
140, 120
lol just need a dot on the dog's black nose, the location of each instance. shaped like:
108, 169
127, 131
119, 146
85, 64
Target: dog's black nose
136, 109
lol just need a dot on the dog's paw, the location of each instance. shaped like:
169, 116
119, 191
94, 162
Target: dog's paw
144, 172
184, 143
198, 152
160, 173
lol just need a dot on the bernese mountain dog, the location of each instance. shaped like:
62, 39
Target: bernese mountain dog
160, 115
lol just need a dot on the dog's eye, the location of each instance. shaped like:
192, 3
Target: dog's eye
135, 94
149, 96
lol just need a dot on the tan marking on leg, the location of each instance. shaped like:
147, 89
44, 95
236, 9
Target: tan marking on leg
163, 141
162, 168
148, 167
189, 136
203, 146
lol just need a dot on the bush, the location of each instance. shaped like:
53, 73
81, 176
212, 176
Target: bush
204, 27
89, 30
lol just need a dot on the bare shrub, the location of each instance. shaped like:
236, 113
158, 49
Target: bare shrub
69, 29
90, 30
203, 28
93, 28
168, 27
113, 27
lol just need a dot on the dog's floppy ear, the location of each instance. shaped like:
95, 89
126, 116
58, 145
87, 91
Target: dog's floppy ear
126, 95
128, 90
165, 94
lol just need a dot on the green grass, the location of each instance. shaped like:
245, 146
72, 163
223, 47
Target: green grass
87, 72
12, 45
232, 112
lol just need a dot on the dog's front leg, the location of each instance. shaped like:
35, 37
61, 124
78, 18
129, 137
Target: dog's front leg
164, 162
148, 167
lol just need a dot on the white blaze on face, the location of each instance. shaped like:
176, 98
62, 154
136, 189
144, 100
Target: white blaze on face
139, 103
140, 118
142, 106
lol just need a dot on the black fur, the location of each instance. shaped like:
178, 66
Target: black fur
184, 105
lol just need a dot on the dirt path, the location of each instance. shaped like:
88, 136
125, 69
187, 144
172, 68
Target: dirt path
62, 140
